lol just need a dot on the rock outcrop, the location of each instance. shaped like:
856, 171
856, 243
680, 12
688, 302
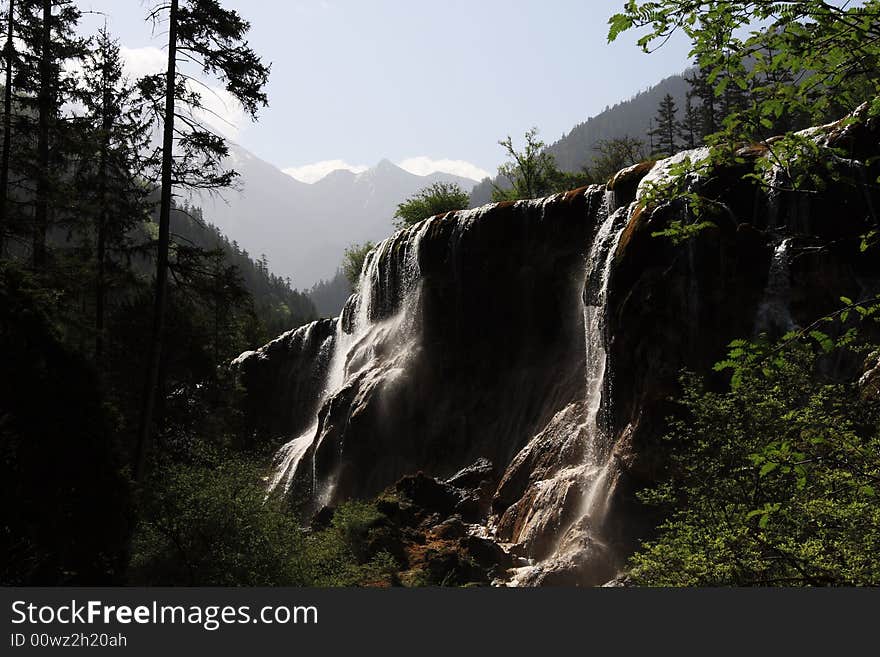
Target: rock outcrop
539, 343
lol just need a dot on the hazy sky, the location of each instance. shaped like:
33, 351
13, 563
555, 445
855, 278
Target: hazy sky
431, 85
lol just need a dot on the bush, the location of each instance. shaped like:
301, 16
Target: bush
773, 482
439, 198
355, 550
209, 523
353, 262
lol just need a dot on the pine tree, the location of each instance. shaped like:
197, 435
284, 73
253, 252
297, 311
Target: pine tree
114, 137
701, 88
666, 132
44, 84
200, 31
5, 155
689, 128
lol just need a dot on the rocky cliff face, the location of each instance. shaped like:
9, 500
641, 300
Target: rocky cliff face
542, 340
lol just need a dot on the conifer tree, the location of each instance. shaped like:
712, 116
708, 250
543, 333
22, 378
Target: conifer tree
44, 84
689, 128
666, 130
5, 154
114, 137
204, 34
701, 89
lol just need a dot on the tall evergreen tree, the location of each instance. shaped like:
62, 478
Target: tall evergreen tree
213, 38
666, 130
690, 128
115, 137
701, 89
45, 84
5, 154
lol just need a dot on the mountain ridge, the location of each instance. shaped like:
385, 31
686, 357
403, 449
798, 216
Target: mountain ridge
304, 228
577, 149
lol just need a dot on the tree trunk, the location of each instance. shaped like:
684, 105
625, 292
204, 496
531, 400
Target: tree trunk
41, 209
7, 127
101, 255
154, 383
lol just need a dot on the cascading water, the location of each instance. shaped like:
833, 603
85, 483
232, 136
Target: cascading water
381, 325
350, 351
580, 540
383, 311
599, 265
774, 313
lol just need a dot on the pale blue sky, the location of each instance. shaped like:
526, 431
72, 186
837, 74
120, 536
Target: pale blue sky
362, 80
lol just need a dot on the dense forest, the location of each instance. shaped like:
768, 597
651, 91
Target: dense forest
138, 438
84, 209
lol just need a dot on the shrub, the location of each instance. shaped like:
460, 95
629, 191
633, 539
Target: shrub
773, 482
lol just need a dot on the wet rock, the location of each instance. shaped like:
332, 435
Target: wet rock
591, 565
486, 553
626, 181
451, 528
619, 582
474, 476
869, 384
282, 380
429, 494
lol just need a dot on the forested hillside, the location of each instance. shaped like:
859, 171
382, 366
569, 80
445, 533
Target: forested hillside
120, 304
578, 149
278, 306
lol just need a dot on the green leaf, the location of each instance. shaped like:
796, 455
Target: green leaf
617, 24
825, 342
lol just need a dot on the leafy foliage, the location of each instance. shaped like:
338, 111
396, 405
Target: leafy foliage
679, 231
774, 482
352, 550
439, 198
353, 261
614, 155
678, 184
207, 523
65, 514
532, 171
768, 50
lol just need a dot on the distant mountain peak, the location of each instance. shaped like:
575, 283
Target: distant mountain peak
337, 175
384, 167
304, 228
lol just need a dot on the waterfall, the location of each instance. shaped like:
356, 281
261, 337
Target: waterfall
774, 313
579, 541
383, 308
599, 266
380, 330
